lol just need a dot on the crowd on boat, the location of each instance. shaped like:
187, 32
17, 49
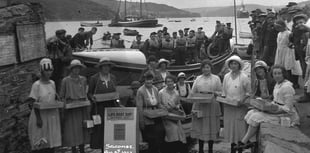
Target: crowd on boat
280, 52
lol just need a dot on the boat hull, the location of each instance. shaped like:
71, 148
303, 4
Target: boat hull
91, 24
128, 32
138, 23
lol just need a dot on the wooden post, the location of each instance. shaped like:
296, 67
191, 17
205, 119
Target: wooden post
4, 3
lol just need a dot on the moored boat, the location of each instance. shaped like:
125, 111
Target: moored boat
129, 32
133, 21
86, 24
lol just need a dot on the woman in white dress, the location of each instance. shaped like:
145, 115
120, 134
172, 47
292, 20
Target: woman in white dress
206, 122
283, 97
285, 56
236, 87
44, 125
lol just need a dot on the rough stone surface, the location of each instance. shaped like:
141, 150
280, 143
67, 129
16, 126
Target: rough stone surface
21, 13
278, 139
15, 85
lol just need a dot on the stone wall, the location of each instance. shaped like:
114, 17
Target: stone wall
278, 139
16, 79
15, 85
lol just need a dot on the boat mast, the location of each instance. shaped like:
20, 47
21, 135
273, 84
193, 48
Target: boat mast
125, 8
140, 8
235, 15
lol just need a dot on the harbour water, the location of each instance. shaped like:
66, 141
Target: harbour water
208, 24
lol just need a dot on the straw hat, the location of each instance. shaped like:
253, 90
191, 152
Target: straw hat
260, 64
181, 75
46, 64
234, 58
76, 63
105, 61
162, 60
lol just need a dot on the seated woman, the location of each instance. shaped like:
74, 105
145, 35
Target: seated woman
263, 84
283, 97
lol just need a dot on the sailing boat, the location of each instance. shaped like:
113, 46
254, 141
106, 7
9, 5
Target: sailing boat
133, 21
243, 13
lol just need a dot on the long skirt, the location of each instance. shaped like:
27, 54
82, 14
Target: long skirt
97, 134
235, 126
206, 127
74, 133
50, 132
154, 135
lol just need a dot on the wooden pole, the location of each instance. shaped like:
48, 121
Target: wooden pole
125, 8
235, 14
140, 8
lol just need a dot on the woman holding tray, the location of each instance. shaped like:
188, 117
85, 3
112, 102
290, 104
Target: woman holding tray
237, 88
152, 128
206, 118
283, 99
175, 137
73, 90
44, 124
100, 86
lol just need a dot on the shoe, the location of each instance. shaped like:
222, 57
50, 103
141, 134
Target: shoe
305, 98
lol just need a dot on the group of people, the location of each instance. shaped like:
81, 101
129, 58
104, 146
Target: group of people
282, 53
241, 122
52, 128
282, 38
184, 46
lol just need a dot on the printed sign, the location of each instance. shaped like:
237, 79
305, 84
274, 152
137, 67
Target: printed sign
120, 130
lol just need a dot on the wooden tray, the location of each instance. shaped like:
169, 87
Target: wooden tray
199, 98
106, 97
173, 116
44, 105
77, 104
226, 101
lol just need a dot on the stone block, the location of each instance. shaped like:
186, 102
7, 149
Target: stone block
278, 139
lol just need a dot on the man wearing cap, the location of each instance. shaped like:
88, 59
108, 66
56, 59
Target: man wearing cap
151, 46
186, 30
229, 33
165, 30
300, 39
83, 39
116, 41
180, 49
269, 41
167, 47
200, 38
137, 44
174, 38
59, 51
191, 45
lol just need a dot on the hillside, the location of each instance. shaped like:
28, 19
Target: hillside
70, 10
224, 11
158, 10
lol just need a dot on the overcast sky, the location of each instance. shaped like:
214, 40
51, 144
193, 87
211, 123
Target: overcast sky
211, 3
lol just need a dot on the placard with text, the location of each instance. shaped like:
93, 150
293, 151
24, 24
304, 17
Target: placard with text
120, 130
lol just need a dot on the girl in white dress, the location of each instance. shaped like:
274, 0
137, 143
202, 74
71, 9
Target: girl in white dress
205, 127
236, 86
44, 125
